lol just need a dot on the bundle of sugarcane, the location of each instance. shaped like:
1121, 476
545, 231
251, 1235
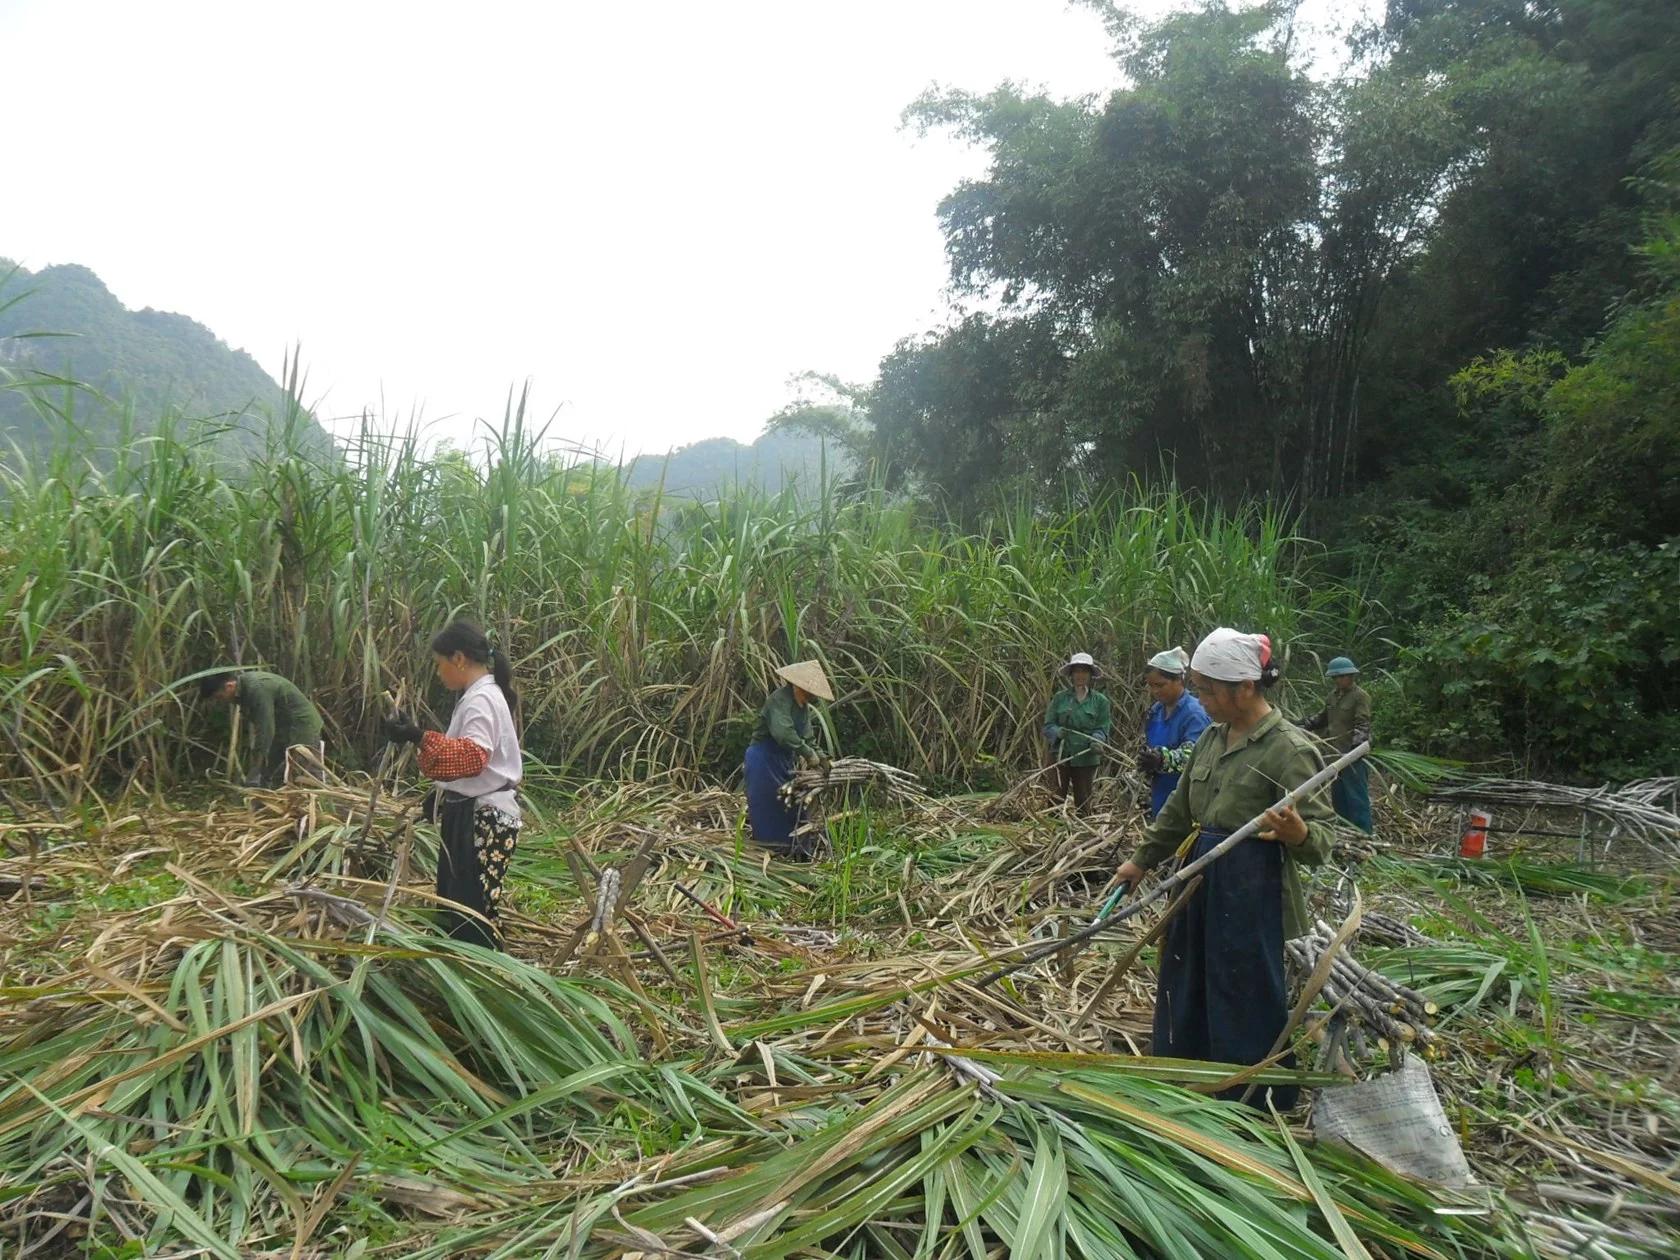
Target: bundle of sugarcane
805, 786
1386, 930
1654, 792
1397, 1015
1632, 809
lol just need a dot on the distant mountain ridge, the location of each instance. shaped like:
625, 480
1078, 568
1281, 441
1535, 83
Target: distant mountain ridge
772, 462
152, 362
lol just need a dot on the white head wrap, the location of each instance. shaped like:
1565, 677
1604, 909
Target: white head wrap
1172, 661
1231, 656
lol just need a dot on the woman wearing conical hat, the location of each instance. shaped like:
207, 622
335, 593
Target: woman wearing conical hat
781, 740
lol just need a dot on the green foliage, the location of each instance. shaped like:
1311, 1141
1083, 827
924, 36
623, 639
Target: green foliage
1381, 296
1146, 255
1572, 661
644, 635
1613, 449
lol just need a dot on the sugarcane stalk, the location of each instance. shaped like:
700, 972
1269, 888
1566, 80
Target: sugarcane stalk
1414, 999
1399, 1000
1359, 977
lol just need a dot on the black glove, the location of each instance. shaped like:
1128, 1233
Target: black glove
1317, 722
1152, 760
399, 728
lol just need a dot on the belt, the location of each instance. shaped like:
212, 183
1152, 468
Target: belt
1197, 832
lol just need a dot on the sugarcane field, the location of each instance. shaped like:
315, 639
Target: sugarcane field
953, 630
229, 1029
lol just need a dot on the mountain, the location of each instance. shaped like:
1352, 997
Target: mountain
771, 462
149, 362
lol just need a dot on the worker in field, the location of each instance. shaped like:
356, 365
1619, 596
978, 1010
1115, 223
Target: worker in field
478, 766
780, 743
1346, 720
279, 718
1075, 726
1175, 721
1221, 994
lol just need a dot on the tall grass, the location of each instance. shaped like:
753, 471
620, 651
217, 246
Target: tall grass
644, 629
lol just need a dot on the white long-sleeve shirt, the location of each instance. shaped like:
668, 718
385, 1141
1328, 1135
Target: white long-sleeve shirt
482, 716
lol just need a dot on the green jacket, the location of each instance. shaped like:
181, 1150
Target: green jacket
279, 716
1079, 720
787, 722
1222, 789
1347, 716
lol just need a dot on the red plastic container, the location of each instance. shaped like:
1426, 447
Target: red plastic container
1474, 844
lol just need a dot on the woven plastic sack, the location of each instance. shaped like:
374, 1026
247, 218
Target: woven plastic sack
1397, 1120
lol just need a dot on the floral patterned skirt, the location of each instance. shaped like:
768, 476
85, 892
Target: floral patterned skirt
478, 844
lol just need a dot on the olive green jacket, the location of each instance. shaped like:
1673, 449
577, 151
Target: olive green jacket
1223, 788
1348, 717
279, 716
786, 721
1080, 721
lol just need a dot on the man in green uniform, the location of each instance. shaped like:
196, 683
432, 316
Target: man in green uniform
1346, 716
278, 714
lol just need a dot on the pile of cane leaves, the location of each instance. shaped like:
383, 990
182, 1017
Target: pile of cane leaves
276, 1072
241, 1075
218, 1039
256, 1066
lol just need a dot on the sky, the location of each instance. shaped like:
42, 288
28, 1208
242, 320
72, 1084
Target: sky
655, 213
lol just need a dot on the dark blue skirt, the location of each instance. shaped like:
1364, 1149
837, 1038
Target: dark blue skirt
773, 822
1221, 995
1351, 795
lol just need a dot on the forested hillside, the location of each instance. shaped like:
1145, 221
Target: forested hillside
1433, 304
130, 368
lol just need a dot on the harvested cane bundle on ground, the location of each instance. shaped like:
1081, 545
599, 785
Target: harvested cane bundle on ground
804, 787
1363, 999
1644, 810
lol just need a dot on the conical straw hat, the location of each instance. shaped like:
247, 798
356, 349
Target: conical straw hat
808, 676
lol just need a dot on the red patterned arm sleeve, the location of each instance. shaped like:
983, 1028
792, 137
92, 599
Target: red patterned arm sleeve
445, 758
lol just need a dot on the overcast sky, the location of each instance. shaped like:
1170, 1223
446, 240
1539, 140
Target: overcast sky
656, 212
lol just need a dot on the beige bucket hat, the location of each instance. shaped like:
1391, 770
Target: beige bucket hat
1082, 658
808, 676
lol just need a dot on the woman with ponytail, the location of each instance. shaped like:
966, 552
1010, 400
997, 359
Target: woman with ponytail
478, 768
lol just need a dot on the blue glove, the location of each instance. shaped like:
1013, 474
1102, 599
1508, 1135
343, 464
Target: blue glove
1053, 734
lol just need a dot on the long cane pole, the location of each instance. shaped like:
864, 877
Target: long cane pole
1185, 872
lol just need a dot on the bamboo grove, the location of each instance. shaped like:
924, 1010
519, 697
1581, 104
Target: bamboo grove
643, 627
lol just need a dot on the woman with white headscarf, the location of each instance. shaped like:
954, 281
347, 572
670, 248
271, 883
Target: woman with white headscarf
1221, 995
